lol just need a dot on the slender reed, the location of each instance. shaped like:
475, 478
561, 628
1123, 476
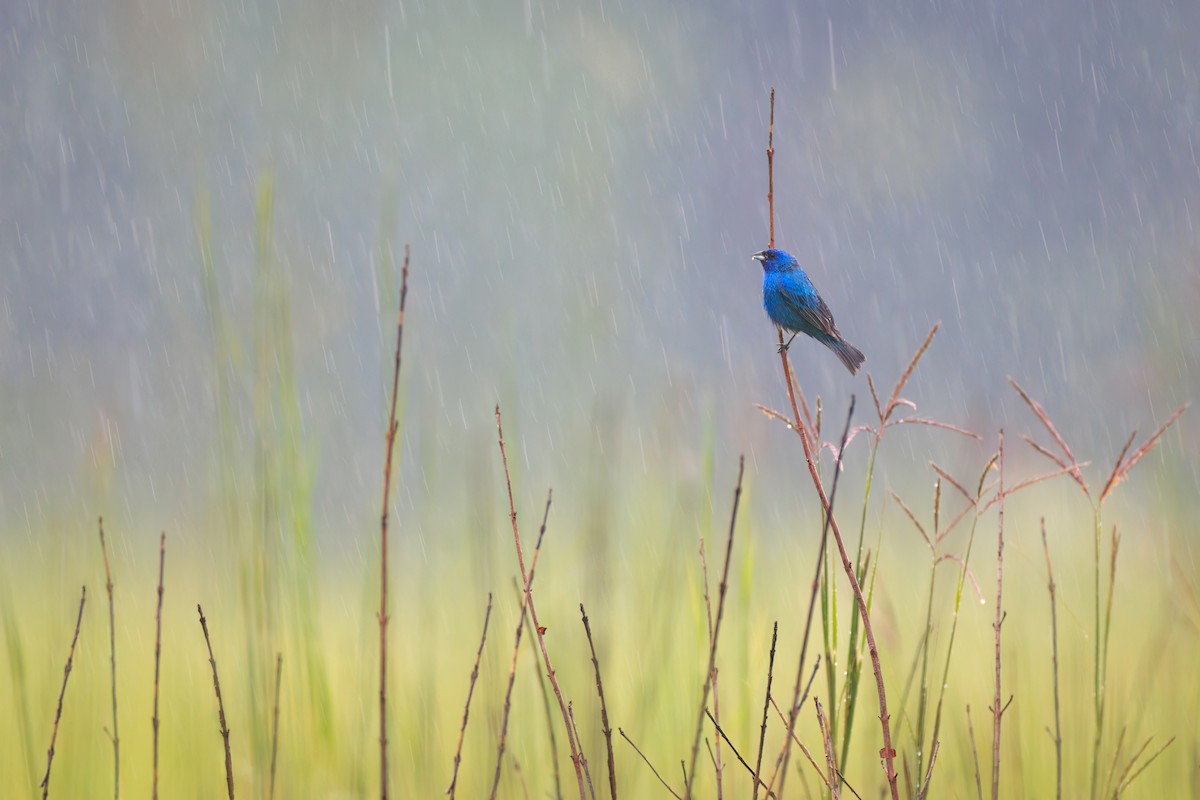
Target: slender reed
220, 705
1054, 664
522, 621
162, 558
690, 772
383, 536
718, 766
612, 768
762, 736
462, 731
661, 780
997, 711
924, 790
45, 784
275, 724
512, 511
112, 649
828, 742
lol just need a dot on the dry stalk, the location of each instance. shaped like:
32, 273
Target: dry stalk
666, 785
829, 764
997, 710
718, 766
762, 736
1054, 662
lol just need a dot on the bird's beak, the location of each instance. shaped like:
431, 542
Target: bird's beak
759, 256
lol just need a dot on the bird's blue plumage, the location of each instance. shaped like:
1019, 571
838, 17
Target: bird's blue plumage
793, 303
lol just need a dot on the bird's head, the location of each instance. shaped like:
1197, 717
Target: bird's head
775, 260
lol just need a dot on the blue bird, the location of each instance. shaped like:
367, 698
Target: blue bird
792, 303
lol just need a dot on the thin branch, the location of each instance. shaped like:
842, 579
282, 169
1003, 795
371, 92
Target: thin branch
587, 773
162, 558
718, 766
462, 731
112, 648
800, 744
45, 784
929, 770
666, 785
782, 762
997, 712
738, 755
1122, 787
974, 755
829, 762
522, 621
220, 705
895, 399
383, 536
512, 510
612, 769
275, 722
712, 647
762, 737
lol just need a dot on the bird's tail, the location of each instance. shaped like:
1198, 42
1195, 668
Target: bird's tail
850, 355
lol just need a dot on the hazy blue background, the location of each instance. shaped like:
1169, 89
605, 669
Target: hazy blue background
582, 185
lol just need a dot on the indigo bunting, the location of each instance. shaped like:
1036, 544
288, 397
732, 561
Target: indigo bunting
792, 303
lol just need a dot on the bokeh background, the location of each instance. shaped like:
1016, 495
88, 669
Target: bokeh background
204, 210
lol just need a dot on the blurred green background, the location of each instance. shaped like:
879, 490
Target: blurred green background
204, 212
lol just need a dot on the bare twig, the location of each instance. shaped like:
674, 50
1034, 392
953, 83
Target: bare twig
997, 711
512, 510
383, 536
162, 557
829, 763
1054, 662
666, 785
522, 621
1040, 413
462, 731
45, 784
112, 648
220, 705
275, 723
712, 647
612, 769
762, 736
716, 697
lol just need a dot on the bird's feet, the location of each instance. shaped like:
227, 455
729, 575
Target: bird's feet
783, 348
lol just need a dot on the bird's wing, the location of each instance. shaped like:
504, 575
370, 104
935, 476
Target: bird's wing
816, 314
